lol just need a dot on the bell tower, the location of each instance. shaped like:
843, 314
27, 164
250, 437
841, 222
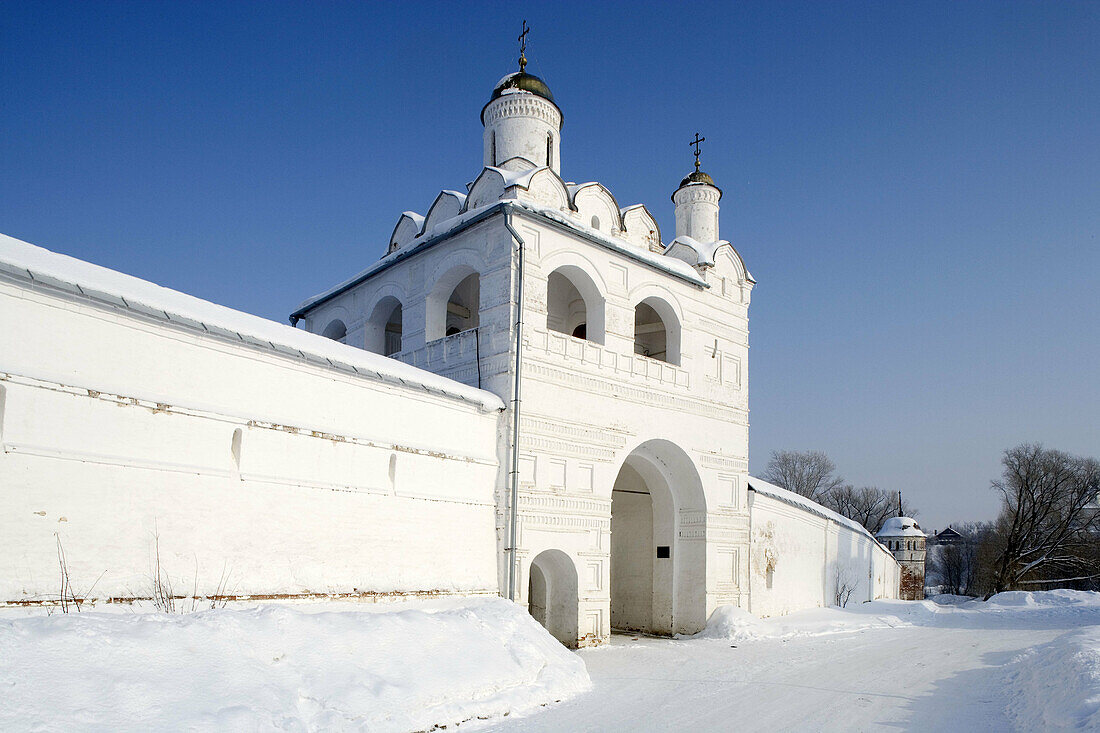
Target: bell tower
522, 121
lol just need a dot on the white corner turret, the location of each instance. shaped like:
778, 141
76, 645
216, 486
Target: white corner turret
522, 125
697, 207
906, 541
697, 204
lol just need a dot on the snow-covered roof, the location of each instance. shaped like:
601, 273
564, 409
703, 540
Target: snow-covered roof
516, 178
36, 264
761, 486
394, 257
670, 265
900, 527
418, 219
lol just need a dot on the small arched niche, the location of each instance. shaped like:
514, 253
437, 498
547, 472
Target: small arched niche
552, 597
656, 331
574, 305
336, 330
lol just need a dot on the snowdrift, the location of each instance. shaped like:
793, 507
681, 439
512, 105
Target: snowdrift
1057, 686
281, 668
736, 624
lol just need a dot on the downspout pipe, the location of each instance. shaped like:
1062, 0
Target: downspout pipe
516, 401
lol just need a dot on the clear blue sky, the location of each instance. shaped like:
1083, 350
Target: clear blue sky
916, 187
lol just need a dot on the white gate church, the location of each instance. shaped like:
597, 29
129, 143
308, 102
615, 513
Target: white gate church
620, 496
632, 506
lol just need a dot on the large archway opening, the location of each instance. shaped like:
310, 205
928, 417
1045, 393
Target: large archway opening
658, 543
384, 327
552, 595
574, 305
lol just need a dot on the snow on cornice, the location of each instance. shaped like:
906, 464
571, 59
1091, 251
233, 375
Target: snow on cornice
35, 264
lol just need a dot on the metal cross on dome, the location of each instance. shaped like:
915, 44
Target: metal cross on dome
696, 142
523, 46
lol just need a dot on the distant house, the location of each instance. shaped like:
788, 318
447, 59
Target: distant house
946, 537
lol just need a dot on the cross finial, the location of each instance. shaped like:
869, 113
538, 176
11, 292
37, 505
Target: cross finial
523, 46
695, 143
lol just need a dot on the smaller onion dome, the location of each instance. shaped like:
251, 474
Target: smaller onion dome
696, 177
900, 527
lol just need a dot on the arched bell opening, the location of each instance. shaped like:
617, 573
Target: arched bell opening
462, 305
453, 304
656, 331
574, 305
384, 327
336, 330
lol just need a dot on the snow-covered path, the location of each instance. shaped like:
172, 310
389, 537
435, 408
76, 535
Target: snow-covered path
935, 672
1023, 661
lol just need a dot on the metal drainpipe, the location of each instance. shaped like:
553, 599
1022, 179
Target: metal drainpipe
511, 549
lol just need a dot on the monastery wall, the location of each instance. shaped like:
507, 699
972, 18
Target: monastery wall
259, 468
801, 557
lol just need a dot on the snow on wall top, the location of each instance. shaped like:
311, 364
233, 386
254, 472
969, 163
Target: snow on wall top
789, 497
900, 527
29, 262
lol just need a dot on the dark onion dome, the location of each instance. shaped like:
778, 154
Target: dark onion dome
524, 82
520, 81
698, 178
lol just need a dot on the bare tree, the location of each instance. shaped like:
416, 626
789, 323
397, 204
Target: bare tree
843, 586
868, 505
957, 565
809, 473
1047, 530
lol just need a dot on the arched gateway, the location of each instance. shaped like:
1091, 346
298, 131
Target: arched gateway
658, 542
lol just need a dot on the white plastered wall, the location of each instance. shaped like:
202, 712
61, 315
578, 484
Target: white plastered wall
261, 473
807, 555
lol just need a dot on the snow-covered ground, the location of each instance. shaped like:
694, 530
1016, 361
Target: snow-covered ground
1023, 661
296, 668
